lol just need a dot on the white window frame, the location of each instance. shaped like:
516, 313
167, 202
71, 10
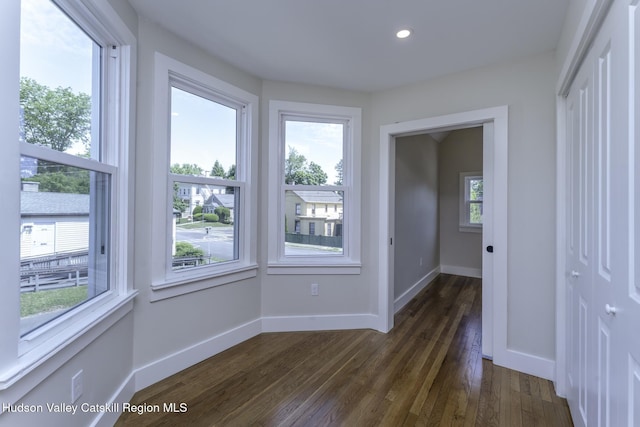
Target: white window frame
465, 202
349, 261
50, 345
166, 282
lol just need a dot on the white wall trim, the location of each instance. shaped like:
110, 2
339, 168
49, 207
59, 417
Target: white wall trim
182, 359
410, 293
528, 364
461, 271
124, 394
318, 322
388, 133
594, 13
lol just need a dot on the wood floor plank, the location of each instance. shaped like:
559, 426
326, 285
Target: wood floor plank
427, 371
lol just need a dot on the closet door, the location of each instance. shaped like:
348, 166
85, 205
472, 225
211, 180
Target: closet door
603, 232
598, 257
579, 241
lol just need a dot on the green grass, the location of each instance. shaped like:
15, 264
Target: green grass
44, 301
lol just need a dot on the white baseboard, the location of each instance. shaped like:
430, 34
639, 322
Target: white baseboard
176, 362
461, 271
124, 394
319, 323
527, 363
408, 295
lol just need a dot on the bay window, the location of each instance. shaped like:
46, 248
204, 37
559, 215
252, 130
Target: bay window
64, 182
203, 181
315, 161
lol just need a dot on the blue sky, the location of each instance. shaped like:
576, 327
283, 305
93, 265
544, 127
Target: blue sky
55, 52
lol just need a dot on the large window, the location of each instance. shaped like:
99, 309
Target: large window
66, 169
314, 153
471, 191
205, 179
64, 112
203, 139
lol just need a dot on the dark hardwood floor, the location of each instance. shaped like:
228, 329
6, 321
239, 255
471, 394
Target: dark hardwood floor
428, 371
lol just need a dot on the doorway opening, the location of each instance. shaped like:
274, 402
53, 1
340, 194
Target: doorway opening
494, 264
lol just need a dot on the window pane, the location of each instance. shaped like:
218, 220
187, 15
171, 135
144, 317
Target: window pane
64, 239
313, 231
204, 230
59, 82
313, 153
203, 136
475, 189
475, 216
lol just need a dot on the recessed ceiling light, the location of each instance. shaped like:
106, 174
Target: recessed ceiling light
403, 34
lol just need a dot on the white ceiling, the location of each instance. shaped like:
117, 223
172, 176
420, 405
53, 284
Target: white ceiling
351, 44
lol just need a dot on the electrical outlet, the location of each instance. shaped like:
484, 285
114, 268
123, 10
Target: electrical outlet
314, 289
76, 386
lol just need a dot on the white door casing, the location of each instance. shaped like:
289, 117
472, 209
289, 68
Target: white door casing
627, 296
494, 332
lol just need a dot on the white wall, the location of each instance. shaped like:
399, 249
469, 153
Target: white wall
287, 296
166, 327
527, 86
460, 151
161, 329
106, 364
416, 237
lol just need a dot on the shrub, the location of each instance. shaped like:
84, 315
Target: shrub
184, 249
209, 217
224, 214
197, 210
197, 217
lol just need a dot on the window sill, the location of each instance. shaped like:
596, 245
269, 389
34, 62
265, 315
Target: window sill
170, 288
20, 378
470, 229
314, 268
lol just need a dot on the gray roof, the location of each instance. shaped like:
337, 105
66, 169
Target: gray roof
50, 204
226, 200
319, 196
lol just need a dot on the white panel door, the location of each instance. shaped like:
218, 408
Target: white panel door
579, 242
603, 373
609, 231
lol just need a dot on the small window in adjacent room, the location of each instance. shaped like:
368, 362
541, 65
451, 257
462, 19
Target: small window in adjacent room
471, 191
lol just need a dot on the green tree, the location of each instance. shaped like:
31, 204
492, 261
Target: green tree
315, 175
71, 181
218, 170
231, 174
297, 171
55, 118
338, 168
178, 203
186, 169
197, 210
293, 164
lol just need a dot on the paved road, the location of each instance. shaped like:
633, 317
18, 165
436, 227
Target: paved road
218, 243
